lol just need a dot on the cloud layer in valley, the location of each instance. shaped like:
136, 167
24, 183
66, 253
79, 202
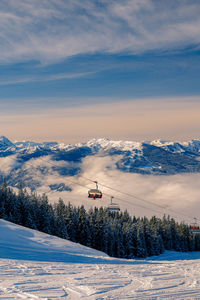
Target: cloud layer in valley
149, 195
176, 195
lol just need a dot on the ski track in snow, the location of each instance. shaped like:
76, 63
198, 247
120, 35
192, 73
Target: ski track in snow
51, 268
145, 279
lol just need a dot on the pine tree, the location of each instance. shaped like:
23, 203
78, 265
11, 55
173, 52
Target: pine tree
141, 245
149, 237
44, 215
83, 232
71, 219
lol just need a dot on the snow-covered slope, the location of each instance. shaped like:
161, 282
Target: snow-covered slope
34, 265
17, 242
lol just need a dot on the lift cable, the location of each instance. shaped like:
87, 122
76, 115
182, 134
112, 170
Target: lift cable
77, 183
130, 195
115, 190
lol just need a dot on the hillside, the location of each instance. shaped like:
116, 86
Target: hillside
35, 265
18, 242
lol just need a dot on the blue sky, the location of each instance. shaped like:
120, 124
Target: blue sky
63, 55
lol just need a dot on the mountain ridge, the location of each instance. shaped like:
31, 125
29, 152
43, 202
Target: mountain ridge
148, 158
104, 143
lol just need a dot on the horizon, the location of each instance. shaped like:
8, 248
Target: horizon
166, 141
138, 120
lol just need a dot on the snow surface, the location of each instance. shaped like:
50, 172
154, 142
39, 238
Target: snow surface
101, 143
35, 265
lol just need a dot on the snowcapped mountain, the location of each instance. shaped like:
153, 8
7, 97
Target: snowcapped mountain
18, 160
5, 144
101, 144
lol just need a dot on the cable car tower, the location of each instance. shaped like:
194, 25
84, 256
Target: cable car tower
95, 193
194, 227
113, 207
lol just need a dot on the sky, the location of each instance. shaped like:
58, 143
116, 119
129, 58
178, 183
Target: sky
121, 69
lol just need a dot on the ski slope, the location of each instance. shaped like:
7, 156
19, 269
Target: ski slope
35, 265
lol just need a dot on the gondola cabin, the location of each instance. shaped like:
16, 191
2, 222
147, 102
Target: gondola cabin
95, 193
194, 227
113, 207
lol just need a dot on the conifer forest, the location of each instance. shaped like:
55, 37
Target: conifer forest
116, 233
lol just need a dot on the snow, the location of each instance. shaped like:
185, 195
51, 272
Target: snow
102, 143
107, 144
5, 143
18, 242
35, 265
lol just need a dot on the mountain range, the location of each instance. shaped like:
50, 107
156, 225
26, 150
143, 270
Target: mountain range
149, 158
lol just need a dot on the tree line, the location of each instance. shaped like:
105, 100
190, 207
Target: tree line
116, 233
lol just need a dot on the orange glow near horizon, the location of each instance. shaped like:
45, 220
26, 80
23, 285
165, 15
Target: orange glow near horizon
146, 119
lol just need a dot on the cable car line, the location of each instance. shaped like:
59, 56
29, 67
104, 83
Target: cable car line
128, 194
109, 195
133, 196
124, 200
115, 190
138, 198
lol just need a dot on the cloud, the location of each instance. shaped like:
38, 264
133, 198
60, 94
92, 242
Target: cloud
47, 78
176, 195
54, 30
7, 164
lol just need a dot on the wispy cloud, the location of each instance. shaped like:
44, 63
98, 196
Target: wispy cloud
45, 78
53, 30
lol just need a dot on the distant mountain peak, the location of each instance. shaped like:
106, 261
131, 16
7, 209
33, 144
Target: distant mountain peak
157, 157
160, 142
4, 139
5, 143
